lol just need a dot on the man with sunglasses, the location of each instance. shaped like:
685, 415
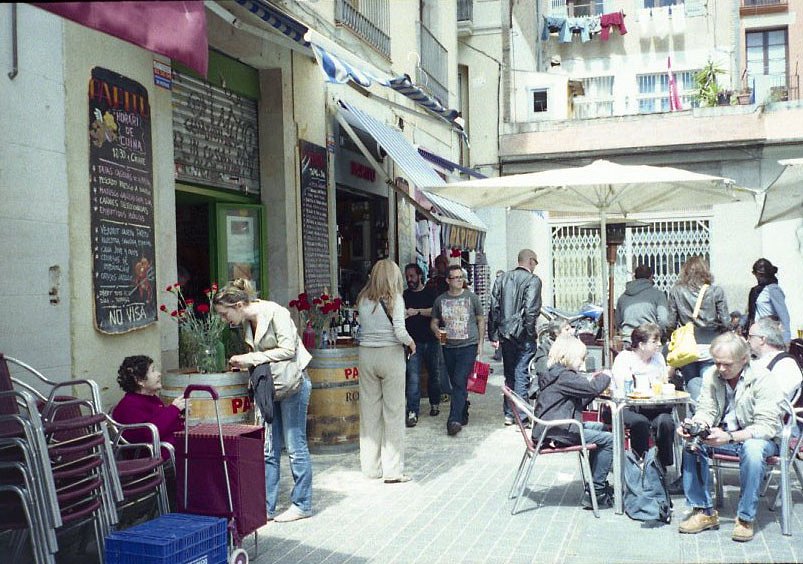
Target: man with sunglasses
515, 307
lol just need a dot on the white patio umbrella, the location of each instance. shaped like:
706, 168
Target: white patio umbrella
783, 199
602, 189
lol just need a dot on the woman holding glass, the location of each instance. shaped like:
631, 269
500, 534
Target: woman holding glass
639, 369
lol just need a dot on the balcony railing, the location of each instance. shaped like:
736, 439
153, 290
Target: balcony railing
433, 72
465, 10
367, 18
754, 7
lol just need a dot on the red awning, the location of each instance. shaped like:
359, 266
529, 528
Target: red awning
174, 29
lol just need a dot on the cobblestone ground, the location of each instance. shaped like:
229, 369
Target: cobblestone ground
456, 509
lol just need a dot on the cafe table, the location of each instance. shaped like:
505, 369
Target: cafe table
617, 405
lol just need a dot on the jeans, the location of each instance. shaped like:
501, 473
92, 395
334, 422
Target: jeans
752, 455
516, 359
289, 430
693, 377
459, 364
425, 352
600, 459
446, 386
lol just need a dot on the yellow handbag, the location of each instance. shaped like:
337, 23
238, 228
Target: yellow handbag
682, 346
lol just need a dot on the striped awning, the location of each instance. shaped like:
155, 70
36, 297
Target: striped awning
285, 24
404, 85
417, 170
446, 164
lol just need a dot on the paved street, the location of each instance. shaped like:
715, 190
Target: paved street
456, 509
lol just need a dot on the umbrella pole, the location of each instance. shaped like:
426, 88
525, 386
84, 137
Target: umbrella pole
606, 322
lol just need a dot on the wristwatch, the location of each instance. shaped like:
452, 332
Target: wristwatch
730, 438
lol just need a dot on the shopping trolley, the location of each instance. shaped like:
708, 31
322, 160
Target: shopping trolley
235, 489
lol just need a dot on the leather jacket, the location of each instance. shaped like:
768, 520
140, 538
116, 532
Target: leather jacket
515, 306
713, 317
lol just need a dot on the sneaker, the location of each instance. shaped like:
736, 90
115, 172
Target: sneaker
412, 419
400, 480
509, 420
293, 513
604, 500
434, 410
698, 521
742, 531
453, 428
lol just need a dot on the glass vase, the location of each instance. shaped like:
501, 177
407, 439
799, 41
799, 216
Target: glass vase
210, 357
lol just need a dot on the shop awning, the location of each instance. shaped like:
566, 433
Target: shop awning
446, 164
280, 22
417, 170
174, 29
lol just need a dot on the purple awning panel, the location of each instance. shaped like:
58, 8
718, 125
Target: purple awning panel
174, 29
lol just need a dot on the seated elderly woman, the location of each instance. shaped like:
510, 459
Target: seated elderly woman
638, 369
564, 391
141, 382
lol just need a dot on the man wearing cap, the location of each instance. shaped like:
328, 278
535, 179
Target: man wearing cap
641, 303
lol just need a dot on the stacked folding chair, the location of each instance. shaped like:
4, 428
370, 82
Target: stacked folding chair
58, 465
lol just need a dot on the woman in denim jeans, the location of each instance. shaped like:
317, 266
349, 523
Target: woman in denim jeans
271, 336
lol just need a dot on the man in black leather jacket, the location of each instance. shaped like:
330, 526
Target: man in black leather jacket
515, 307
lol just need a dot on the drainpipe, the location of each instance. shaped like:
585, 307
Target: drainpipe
14, 59
738, 46
507, 24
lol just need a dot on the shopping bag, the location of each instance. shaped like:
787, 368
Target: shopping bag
682, 347
478, 379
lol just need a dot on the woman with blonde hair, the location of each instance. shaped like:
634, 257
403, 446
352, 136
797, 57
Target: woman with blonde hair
564, 391
713, 318
271, 337
382, 373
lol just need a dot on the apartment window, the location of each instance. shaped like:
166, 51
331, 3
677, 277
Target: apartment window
653, 91
766, 54
577, 8
661, 3
597, 100
539, 100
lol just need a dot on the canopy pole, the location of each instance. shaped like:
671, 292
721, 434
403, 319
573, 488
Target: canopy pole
606, 322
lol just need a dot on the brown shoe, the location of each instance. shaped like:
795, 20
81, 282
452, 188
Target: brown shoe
698, 522
742, 531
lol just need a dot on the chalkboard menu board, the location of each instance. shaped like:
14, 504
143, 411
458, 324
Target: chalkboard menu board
121, 198
314, 217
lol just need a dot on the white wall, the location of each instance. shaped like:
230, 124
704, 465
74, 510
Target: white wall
33, 188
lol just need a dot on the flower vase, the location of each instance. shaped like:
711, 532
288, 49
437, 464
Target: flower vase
210, 357
308, 338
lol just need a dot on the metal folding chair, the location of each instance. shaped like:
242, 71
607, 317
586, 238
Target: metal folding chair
534, 449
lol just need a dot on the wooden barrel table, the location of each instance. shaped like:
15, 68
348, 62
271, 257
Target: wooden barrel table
333, 419
234, 404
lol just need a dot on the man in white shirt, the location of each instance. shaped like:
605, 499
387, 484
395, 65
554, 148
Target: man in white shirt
767, 344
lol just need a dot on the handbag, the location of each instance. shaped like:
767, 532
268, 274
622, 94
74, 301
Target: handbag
287, 377
407, 350
478, 379
682, 345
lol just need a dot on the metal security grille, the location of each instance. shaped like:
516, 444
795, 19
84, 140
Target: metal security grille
663, 245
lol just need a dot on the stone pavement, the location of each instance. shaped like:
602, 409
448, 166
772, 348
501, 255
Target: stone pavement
455, 509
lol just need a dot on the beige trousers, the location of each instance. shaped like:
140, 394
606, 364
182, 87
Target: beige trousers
382, 404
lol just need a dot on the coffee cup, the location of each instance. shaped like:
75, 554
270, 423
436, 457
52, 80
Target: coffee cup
668, 390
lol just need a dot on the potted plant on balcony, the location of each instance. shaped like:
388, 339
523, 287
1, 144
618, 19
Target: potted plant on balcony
745, 94
705, 81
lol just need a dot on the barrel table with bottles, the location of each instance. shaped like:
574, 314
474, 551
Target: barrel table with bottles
333, 418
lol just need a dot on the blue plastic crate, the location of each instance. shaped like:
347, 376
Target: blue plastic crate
170, 539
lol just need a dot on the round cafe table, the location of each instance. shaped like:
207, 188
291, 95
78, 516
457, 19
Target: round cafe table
616, 405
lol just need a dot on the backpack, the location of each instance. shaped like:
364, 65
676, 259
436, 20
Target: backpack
645, 494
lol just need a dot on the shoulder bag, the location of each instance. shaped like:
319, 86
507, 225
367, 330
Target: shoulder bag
683, 345
287, 377
385, 309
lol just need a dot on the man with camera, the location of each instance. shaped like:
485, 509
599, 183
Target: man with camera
738, 414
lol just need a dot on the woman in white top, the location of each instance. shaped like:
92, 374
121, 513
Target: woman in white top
638, 369
382, 373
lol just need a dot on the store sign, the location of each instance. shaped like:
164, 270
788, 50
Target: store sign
121, 203
314, 217
215, 136
362, 171
162, 74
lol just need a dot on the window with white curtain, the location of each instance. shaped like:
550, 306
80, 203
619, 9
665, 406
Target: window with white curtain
653, 91
598, 98
766, 54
